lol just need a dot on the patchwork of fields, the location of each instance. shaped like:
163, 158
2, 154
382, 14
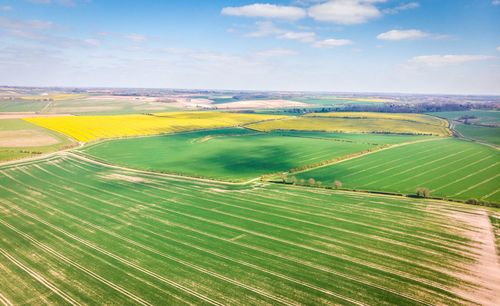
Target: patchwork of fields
230, 154
91, 128
377, 123
448, 167
77, 232
20, 139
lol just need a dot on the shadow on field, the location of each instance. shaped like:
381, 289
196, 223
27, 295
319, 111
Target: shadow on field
265, 159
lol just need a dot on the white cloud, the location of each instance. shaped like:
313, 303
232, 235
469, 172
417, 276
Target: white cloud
345, 11
266, 10
265, 28
136, 37
402, 7
403, 35
332, 42
299, 36
14, 24
6, 8
276, 52
495, 2
443, 60
498, 48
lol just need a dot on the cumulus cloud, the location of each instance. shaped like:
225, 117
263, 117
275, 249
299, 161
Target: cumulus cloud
276, 52
332, 42
452, 59
299, 36
345, 11
265, 10
402, 7
403, 35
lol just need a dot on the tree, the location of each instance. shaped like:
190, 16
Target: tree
337, 184
311, 182
294, 180
423, 192
318, 184
284, 177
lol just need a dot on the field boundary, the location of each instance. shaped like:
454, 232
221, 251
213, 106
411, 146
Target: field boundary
364, 153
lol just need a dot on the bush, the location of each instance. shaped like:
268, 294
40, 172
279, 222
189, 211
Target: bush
423, 192
337, 184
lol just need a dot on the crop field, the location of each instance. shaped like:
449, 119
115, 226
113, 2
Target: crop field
431, 120
450, 168
19, 139
77, 232
481, 117
91, 128
228, 154
55, 96
332, 123
481, 133
339, 101
19, 105
106, 106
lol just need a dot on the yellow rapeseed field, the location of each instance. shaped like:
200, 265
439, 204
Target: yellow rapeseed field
359, 123
90, 128
396, 116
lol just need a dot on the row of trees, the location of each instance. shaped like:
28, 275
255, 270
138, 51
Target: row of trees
421, 192
311, 182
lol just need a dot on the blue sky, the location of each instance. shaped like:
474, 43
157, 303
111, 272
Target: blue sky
412, 46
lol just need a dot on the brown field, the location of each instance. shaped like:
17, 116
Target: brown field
25, 138
261, 104
27, 115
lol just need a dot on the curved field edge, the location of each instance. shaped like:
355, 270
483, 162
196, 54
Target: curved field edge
368, 125
92, 128
136, 237
449, 168
237, 154
10, 127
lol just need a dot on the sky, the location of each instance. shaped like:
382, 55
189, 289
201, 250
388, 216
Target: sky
391, 46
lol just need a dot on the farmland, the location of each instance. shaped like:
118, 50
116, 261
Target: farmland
19, 139
449, 168
483, 126
360, 123
430, 120
481, 133
116, 236
232, 154
476, 116
91, 128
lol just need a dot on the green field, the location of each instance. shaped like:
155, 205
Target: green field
449, 168
480, 133
20, 105
229, 154
76, 232
482, 117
